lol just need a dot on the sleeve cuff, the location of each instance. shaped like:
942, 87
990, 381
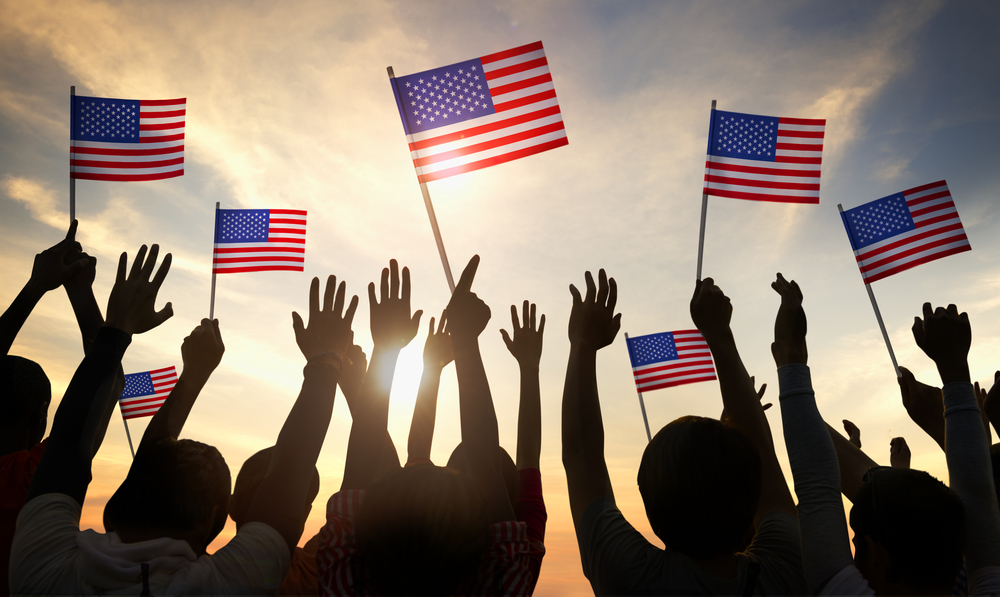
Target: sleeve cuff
959, 396
794, 378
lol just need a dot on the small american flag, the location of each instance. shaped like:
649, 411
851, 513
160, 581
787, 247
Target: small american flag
670, 359
259, 240
145, 392
764, 158
126, 140
480, 113
895, 233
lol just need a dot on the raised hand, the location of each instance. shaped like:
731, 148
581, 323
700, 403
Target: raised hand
526, 345
853, 433
760, 398
593, 323
438, 351
59, 263
899, 453
353, 374
991, 405
202, 350
392, 326
981, 400
924, 404
467, 313
789, 344
711, 309
329, 328
945, 336
132, 304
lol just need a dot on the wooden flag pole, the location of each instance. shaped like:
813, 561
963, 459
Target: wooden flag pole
704, 200
211, 307
642, 405
427, 199
871, 296
72, 144
129, 436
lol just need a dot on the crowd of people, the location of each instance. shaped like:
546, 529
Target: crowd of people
713, 490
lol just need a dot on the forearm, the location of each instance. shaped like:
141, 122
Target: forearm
529, 419
971, 476
170, 419
65, 467
87, 311
371, 418
813, 459
418, 445
739, 398
853, 464
110, 391
17, 313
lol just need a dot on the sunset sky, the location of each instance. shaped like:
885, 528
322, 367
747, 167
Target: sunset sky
289, 106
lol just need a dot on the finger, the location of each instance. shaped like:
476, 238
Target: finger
612, 294
927, 310
122, 263
329, 292
338, 301
393, 278
161, 274
147, 267
218, 334
525, 316
760, 392
444, 318
415, 320
384, 286
352, 308
541, 324
430, 329
313, 298
371, 295
468, 275
406, 285
572, 290
952, 310
767, 406
602, 285
71, 233
918, 330
796, 290
513, 318
697, 289
163, 314
297, 325
591, 288
616, 324
532, 314
507, 340
137, 264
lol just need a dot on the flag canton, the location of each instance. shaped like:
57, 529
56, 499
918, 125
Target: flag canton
654, 348
242, 225
744, 136
443, 96
878, 220
105, 119
138, 384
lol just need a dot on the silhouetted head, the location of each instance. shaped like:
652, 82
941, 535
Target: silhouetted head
25, 393
504, 463
909, 529
700, 482
422, 530
248, 480
175, 488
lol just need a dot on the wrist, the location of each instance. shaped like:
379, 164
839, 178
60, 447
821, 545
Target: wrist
33, 291
717, 334
957, 371
528, 366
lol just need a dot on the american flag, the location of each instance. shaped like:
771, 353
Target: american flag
126, 140
259, 240
145, 392
895, 233
764, 158
480, 113
670, 359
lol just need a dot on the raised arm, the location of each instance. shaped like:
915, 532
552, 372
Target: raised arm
853, 462
201, 353
526, 347
278, 501
945, 336
65, 466
467, 318
50, 271
825, 546
437, 354
711, 311
392, 329
593, 325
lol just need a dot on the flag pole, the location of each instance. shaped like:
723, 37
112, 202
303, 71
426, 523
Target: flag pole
642, 405
129, 436
72, 144
704, 201
871, 296
427, 199
211, 307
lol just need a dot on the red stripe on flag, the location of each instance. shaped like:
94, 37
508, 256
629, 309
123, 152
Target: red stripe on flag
511, 52
491, 144
703, 371
763, 184
801, 134
253, 259
161, 126
126, 177
261, 249
909, 240
925, 187
164, 370
758, 170
914, 202
936, 219
266, 268
163, 114
913, 251
161, 138
760, 196
679, 382
516, 68
524, 101
126, 152
933, 208
500, 159
287, 221
679, 364
799, 147
792, 159
285, 231
486, 128
510, 87
125, 165
803, 121
289, 212
169, 102
130, 404
915, 262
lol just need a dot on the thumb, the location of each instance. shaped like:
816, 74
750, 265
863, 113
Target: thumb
415, 320
297, 323
507, 340
164, 314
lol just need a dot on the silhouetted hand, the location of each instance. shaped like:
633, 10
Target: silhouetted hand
760, 397
467, 313
438, 351
945, 336
853, 433
593, 323
329, 328
392, 326
899, 453
789, 344
711, 309
202, 350
353, 374
526, 346
59, 263
924, 404
991, 406
131, 306
981, 400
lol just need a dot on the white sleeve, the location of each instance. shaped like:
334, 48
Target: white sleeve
44, 547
